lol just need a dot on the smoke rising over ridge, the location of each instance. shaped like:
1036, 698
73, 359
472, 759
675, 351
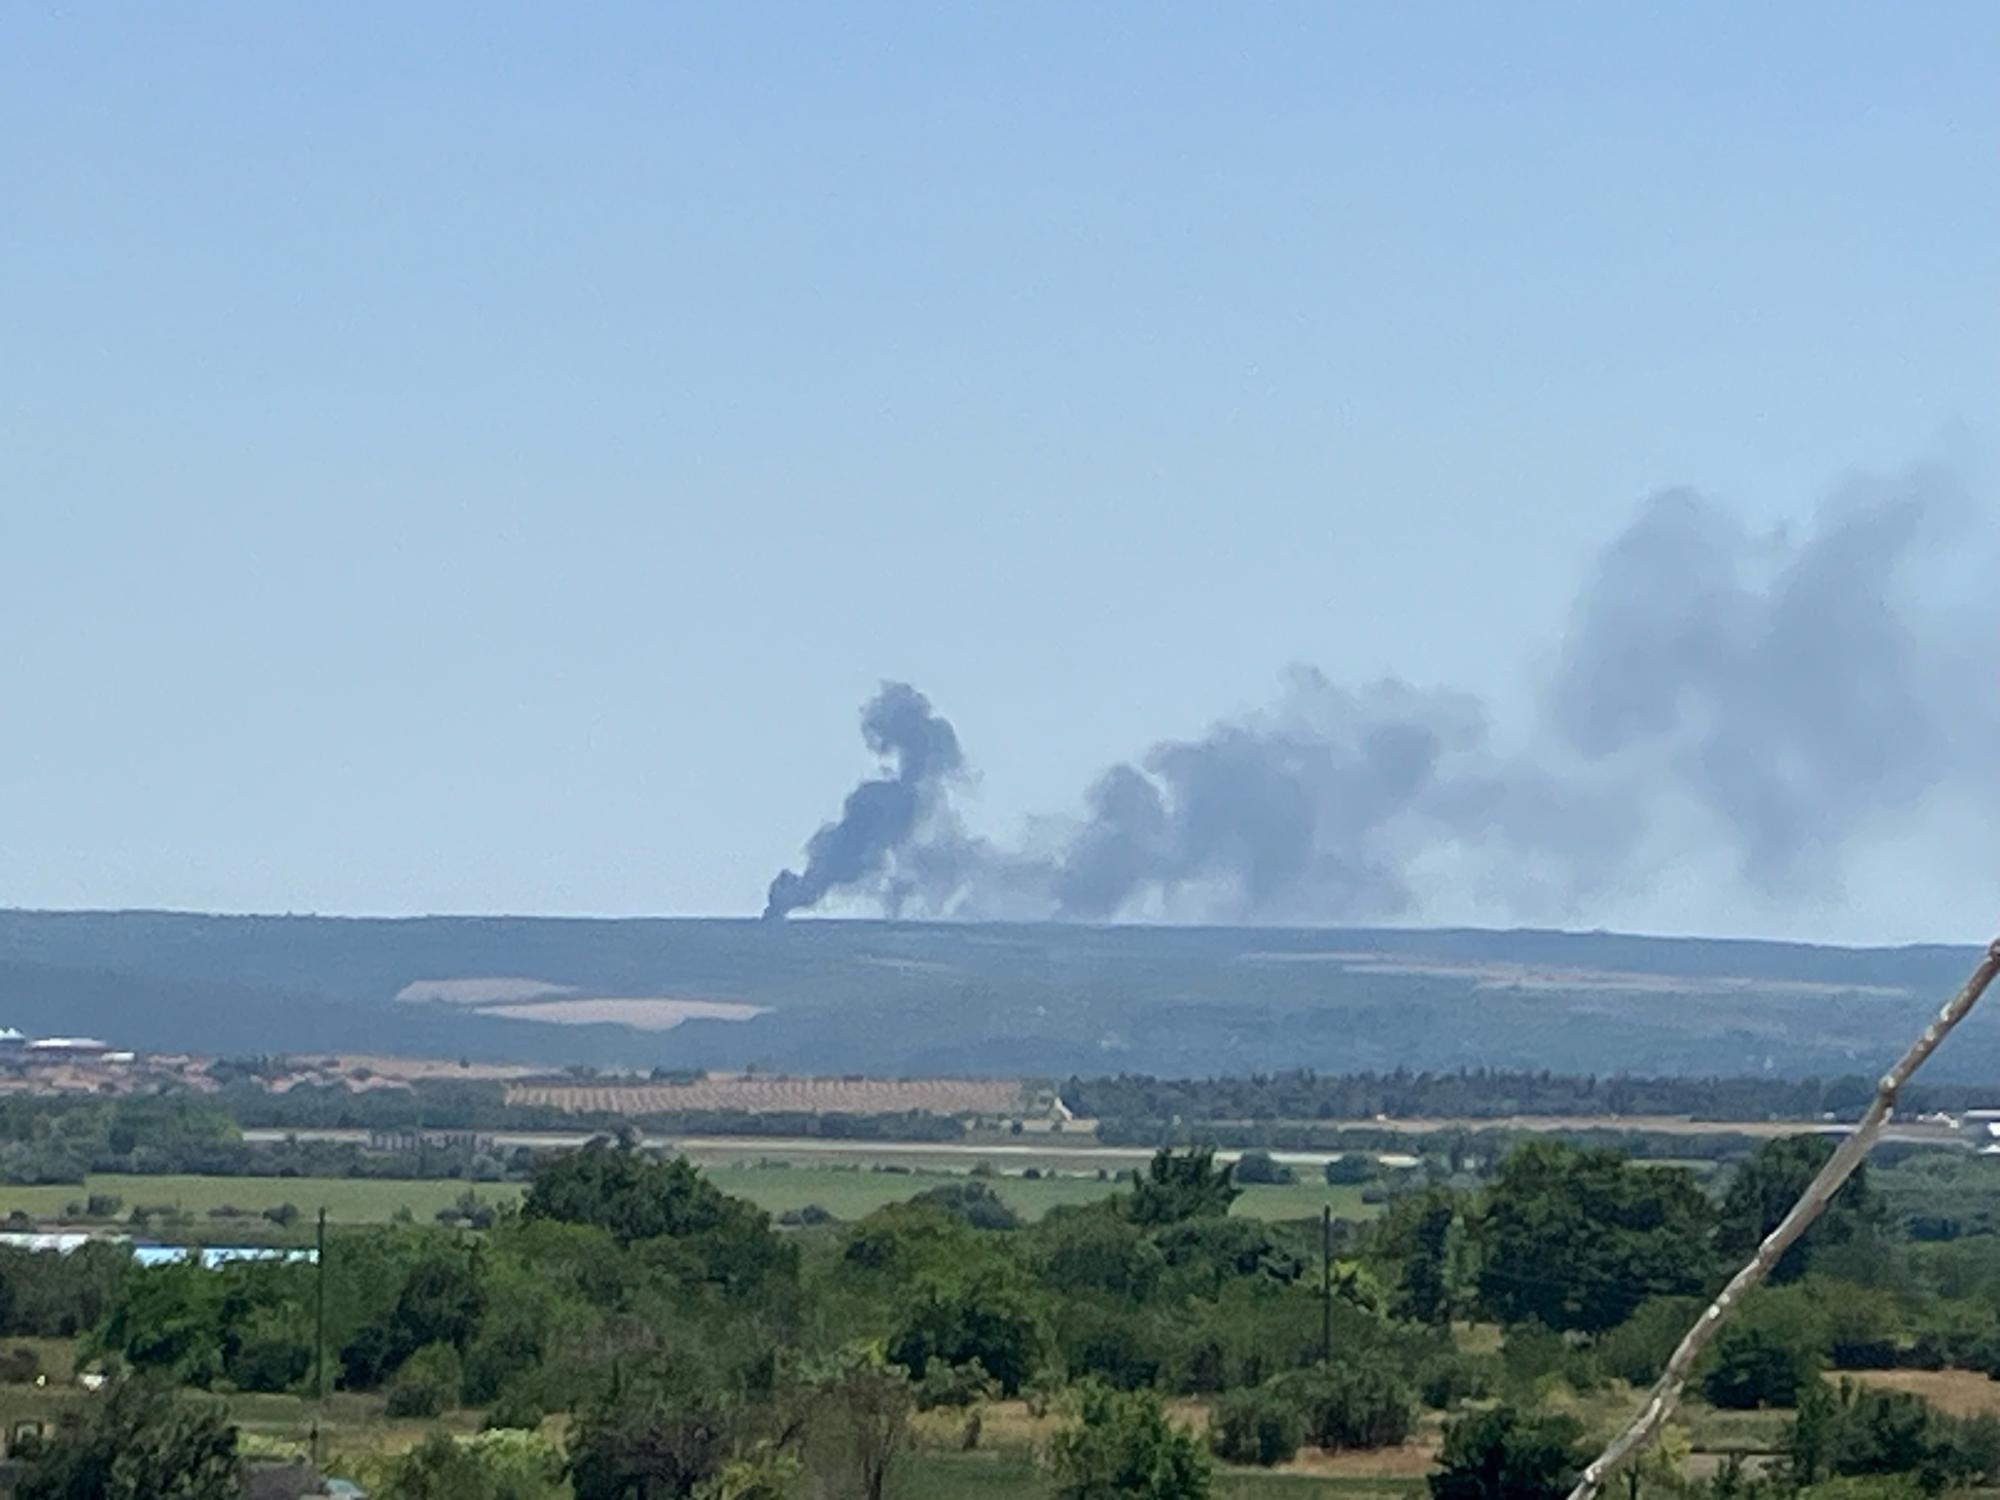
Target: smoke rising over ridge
1776, 699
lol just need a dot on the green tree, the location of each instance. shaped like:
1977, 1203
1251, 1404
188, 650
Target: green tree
1508, 1454
988, 1318
715, 1238
1120, 1446
973, 1201
625, 1191
1178, 1186
1576, 1239
659, 1437
1426, 1236
1261, 1167
1767, 1185
870, 1401
1092, 1250
140, 1442
1752, 1367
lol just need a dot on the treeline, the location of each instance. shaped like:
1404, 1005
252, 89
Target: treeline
1139, 1102
481, 1105
630, 1294
61, 1139
1454, 1143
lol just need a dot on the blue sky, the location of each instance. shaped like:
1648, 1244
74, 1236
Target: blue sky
480, 457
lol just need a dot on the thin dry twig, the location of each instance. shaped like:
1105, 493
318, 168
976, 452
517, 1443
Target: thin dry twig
1819, 1192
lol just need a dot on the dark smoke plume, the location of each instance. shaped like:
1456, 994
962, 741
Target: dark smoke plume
879, 816
1767, 697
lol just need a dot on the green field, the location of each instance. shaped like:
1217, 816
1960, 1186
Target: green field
846, 1193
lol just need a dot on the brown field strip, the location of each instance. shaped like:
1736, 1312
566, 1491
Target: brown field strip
834, 1096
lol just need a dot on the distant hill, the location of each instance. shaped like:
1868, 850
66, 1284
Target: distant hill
900, 998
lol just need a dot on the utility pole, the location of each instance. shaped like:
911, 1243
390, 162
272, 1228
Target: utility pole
1326, 1284
319, 1311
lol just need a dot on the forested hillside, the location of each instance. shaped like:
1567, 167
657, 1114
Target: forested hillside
984, 999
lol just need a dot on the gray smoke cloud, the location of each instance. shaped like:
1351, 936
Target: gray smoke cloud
880, 817
1773, 696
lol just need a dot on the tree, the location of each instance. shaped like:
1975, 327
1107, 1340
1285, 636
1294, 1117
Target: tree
871, 1398
1352, 1169
1181, 1186
1753, 1365
1094, 1250
620, 1189
975, 1202
988, 1319
1120, 1446
1261, 1167
656, 1438
140, 1442
1426, 1236
1576, 1239
1767, 1185
719, 1239
1508, 1454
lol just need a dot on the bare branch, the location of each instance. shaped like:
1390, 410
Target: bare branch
1819, 1192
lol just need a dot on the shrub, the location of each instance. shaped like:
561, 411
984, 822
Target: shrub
1444, 1380
1507, 1454
1352, 1169
1122, 1444
270, 1362
1260, 1167
19, 1365
519, 1404
428, 1383
1257, 1426
1351, 1405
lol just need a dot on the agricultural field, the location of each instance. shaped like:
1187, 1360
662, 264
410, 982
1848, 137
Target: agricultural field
846, 1192
772, 1095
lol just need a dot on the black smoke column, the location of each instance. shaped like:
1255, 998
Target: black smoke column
882, 815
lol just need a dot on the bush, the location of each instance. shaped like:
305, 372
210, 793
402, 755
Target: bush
1351, 1405
1637, 1349
973, 1201
428, 1383
519, 1404
1507, 1454
1260, 1167
271, 1362
1445, 1380
1533, 1354
1352, 1169
19, 1365
284, 1215
1122, 1444
1259, 1426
